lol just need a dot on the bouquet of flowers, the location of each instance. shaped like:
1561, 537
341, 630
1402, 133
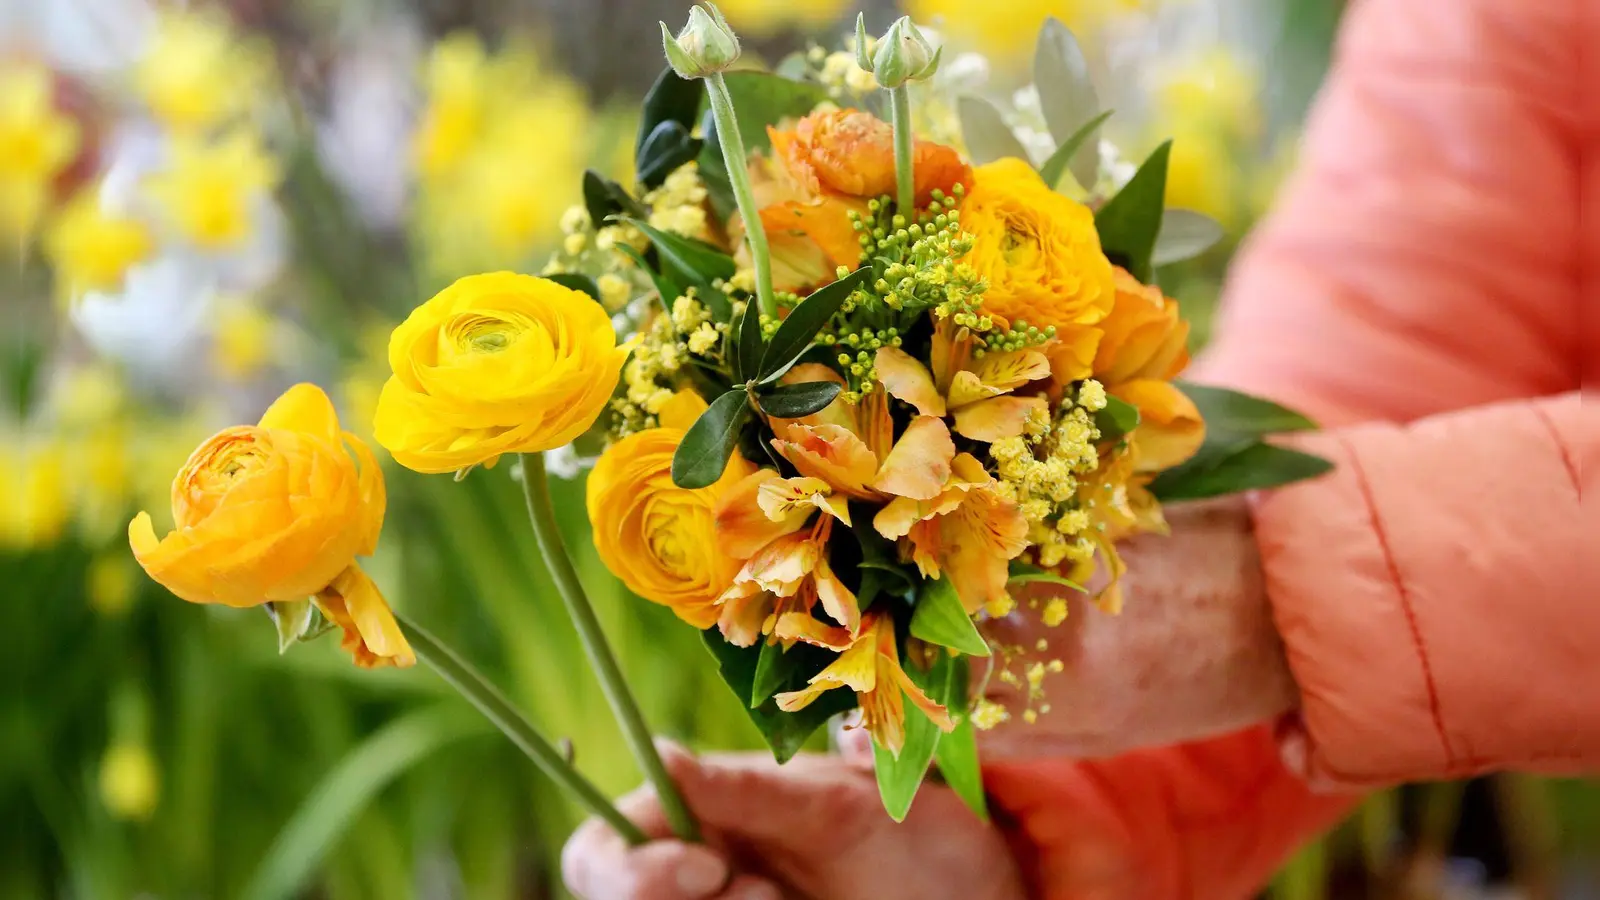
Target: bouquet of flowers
858, 390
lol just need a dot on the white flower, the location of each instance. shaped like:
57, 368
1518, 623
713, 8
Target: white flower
157, 324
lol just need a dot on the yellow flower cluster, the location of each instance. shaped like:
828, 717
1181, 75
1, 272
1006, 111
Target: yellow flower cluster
38, 142
650, 377
1041, 471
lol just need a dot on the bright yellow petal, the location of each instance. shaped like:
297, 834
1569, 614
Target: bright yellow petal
998, 417
967, 388
374, 498
305, 408
1009, 371
371, 634
682, 410
919, 464
1072, 353
907, 379
1170, 428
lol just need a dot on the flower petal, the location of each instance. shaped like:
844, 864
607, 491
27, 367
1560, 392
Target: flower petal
998, 417
907, 379
1170, 427
919, 464
831, 453
371, 634
304, 408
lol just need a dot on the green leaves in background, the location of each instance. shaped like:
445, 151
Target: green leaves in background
794, 335
1056, 165
761, 99
604, 198
956, 754
941, 618
986, 133
1117, 418
703, 454
900, 776
1067, 96
793, 401
576, 282
786, 733
1130, 221
1184, 234
1234, 457
666, 120
1024, 573
690, 262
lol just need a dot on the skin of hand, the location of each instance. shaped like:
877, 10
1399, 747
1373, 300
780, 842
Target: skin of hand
1192, 654
813, 828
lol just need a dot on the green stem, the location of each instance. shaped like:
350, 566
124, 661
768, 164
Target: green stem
488, 699
905, 180
536, 489
739, 177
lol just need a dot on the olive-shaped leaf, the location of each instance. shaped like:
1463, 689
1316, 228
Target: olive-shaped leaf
1129, 222
1057, 164
703, 454
987, 135
793, 401
804, 321
1185, 234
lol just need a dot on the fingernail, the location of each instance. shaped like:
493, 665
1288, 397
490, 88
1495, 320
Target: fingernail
700, 874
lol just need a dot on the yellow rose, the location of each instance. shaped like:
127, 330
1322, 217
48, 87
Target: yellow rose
658, 538
496, 363
1038, 250
278, 511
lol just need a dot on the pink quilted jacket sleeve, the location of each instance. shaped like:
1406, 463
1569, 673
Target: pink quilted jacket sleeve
1418, 290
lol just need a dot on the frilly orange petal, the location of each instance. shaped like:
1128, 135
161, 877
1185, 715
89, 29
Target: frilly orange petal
919, 463
905, 378
742, 526
998, 417
831, 453
1170, 427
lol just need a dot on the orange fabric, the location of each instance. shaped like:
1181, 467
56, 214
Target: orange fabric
1422, 275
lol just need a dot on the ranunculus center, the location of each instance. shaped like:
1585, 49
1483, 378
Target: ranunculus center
1020, 246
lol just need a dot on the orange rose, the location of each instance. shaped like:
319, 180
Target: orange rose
1144, 345
278, 512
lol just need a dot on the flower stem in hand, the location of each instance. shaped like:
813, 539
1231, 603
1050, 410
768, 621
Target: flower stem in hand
739, 177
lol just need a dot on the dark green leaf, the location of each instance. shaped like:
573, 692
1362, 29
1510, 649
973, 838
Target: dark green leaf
576, 282
941, 618
900, 776
786, 733
704, 453
804, 321
877, 553
1066, 93
773, 669
1117, 419
1185, 234
665, 286
750, 343
1057, 164
1229, 412
1024, 573
794, 401
604, 198
687, 260
1256, 466
1129, 222
957, 752
671, 99
667, 148
987, 135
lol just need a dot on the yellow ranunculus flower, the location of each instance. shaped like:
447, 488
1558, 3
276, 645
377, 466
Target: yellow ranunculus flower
1038, 250
1146, 345
658, 538
496, 363
278, 511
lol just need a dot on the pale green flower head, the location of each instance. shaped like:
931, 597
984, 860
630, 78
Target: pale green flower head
705, 46
903, 54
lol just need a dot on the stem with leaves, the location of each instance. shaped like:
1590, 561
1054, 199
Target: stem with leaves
488, 699
739, 177
905, 178
536, 490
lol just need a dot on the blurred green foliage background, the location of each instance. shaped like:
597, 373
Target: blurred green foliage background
150, 748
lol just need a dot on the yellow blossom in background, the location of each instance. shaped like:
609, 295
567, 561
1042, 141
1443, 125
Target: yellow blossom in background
243, 339
763, 17
209, 189
278, 511
130, 783
110, 583
91, 248
1216, 89
197, 72
34, 502
37, 143
1006, 32
496, 363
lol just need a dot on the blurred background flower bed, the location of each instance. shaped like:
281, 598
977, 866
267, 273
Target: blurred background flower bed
203, 203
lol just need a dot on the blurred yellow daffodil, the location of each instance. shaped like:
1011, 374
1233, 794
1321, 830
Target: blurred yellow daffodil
37, 143
209, 190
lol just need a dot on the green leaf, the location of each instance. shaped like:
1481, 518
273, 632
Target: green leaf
1229, 412
773, 669
604, 198
1117, 419
900, 776
667, 148
793, 401
701, 458
1057, 164
785, 732
750, 344
987, 135
665, 286
877, 553
1185, 234
941, 618
1066, 93
1025, 573
686, 259
577, 282
1255, 466
670, 99
956, 754
804, 321
1129, 222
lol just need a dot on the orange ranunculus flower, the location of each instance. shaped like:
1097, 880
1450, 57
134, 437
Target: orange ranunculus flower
870, 666
278, 511
1146, 345
496, 363
1037, 249
658, 538
831, 162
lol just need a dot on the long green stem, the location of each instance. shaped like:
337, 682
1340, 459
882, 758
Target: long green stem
536, 489
488, 699
743, 194
904, 178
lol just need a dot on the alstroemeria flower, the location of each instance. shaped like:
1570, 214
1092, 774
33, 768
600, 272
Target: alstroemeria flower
977, 393
870, 666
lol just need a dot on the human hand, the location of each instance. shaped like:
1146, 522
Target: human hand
1194, 652
813, 828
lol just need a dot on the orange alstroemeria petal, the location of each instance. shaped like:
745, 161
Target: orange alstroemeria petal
978, 542
919, 464
905, 378
1170, 427
798, 626
744, 609
741, 525
831, 453
790, 501
1009, 371
370, 633
998, 417
837, 600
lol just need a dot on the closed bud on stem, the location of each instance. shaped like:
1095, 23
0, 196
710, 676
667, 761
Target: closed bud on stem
705, 46
902, 55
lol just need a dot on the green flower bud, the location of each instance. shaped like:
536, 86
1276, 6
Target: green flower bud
705, 46
903, 54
